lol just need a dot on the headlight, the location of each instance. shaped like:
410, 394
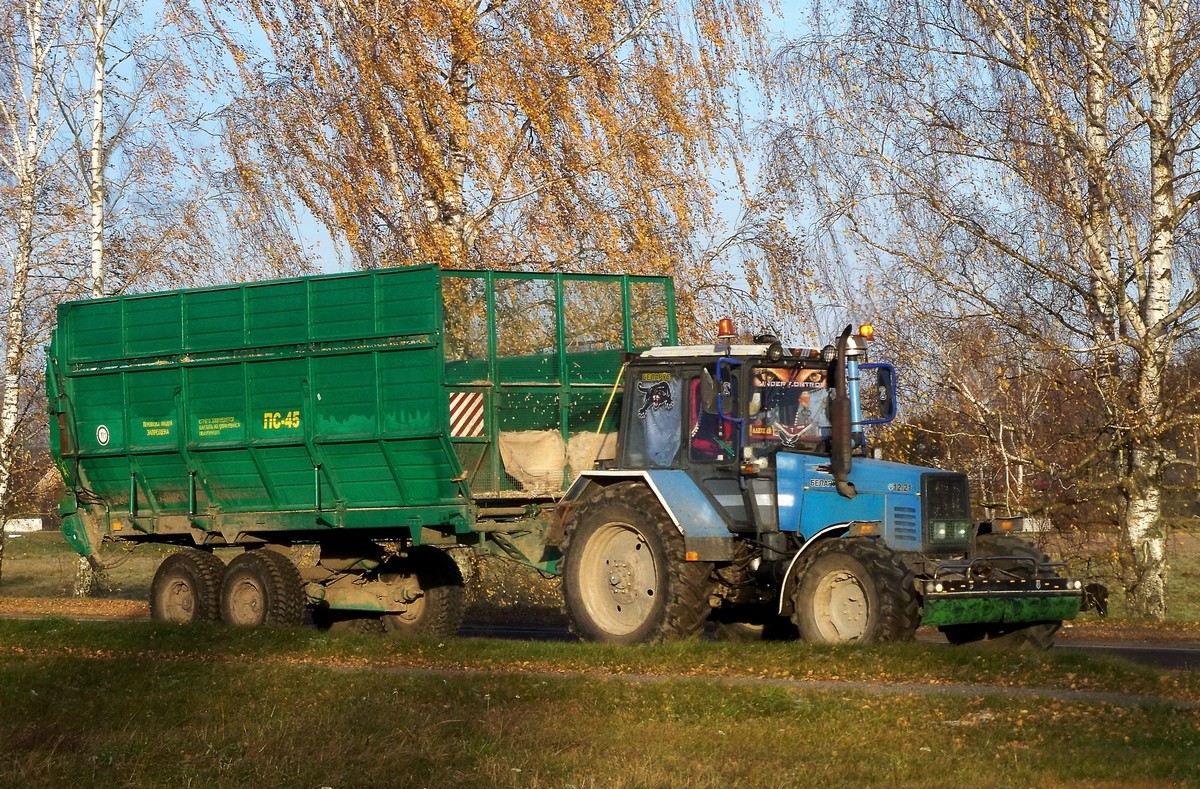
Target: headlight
950, 531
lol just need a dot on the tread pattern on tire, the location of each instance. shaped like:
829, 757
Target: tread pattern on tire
687, 584
205, 572
282, 585
898, 614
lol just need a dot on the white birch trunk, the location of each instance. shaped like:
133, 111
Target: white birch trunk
96, 190
1144, 534
24, 124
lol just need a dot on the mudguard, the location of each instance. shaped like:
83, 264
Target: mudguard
706, 536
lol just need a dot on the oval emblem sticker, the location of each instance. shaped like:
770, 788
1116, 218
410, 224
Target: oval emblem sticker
102, 435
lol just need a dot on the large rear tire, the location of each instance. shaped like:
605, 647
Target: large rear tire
855, 590
1016, 635
262, 587
625, 576
187, 588
440, 609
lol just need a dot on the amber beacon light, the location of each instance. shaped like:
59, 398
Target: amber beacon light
725, 330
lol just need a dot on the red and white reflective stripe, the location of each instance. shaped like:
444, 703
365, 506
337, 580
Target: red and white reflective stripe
466, 414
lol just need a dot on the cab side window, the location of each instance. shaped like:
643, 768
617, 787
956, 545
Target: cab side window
711, 438
656, 422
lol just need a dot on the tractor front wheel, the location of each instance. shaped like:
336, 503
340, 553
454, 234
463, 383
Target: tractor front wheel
855, 590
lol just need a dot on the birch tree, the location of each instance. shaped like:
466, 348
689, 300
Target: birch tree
1033, 164
569, 135
30, 67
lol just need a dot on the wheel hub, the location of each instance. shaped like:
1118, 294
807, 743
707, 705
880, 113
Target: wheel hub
620, 580
841, 611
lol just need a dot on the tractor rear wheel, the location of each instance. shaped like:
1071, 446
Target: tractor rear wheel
625, 576
1016, 635
262, 587
187, 588
855, 590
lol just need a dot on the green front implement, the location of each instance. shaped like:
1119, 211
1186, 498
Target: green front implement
983, 601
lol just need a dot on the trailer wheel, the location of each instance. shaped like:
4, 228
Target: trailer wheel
855, 589
625, 578
262, 587
1017, 635
440, 609
187, 588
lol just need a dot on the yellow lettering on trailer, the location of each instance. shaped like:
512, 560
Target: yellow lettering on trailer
214, 426
277, 420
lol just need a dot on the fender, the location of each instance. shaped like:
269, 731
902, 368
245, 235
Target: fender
792, 576
706, 536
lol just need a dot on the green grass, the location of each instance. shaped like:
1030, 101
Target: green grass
135, 704
138, 704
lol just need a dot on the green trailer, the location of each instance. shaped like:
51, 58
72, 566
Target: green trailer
350, 424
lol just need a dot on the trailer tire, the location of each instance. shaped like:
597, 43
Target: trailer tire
187, 588
1016, 635
262, 587
625, 577
440, 610
855, 590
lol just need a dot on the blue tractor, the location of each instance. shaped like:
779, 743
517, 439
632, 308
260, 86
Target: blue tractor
743, 493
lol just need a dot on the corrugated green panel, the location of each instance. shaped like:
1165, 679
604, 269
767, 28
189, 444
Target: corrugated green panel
93, 330
408, 300
164, 479
278, 411
362, 476
291, 480
108, 477
345, 391
213, 320
467, 371
597, 367
411, 394
586, 408
216, 407
277, 313
343, 307
424, 471
233, 478
152, 413
100, 413
153, 325
527, 369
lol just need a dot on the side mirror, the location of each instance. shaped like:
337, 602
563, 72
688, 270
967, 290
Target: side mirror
877, 391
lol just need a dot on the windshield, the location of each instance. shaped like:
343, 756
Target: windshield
789, 407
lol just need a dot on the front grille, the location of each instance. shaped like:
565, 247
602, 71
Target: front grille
945, 508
